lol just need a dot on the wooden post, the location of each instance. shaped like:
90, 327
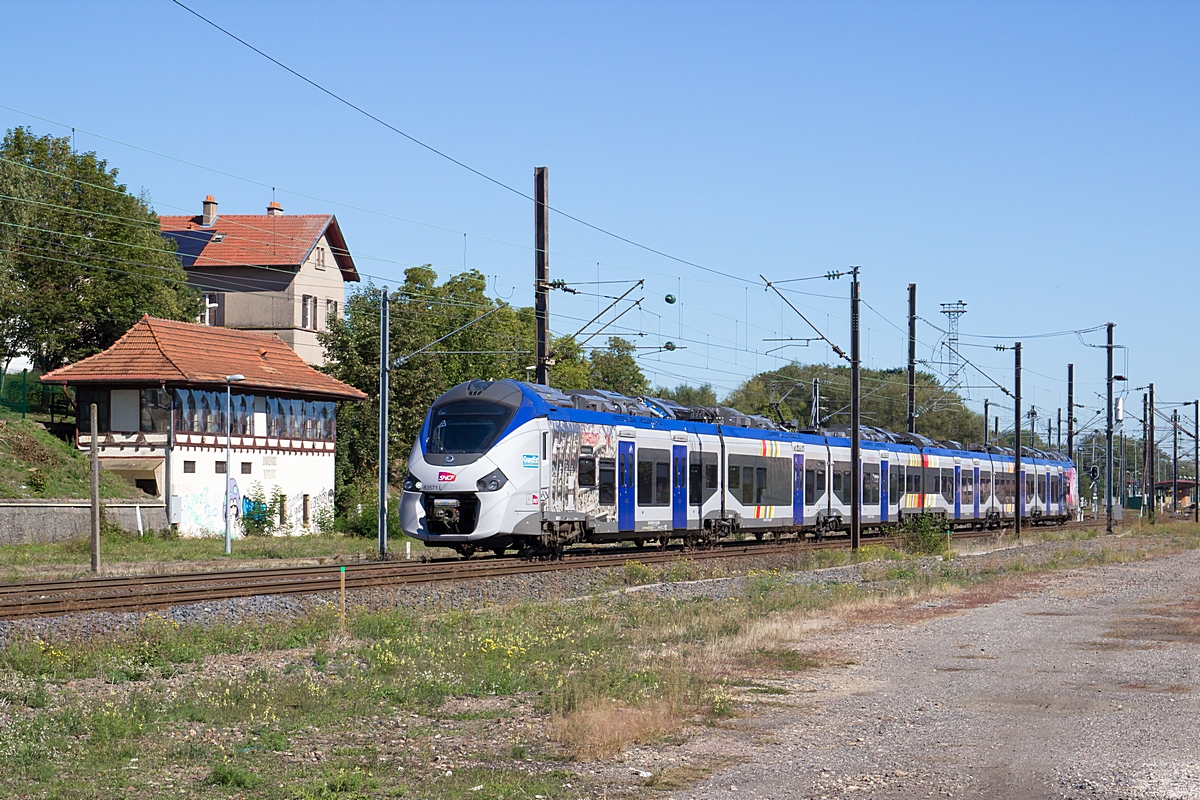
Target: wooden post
342, 581
95, 456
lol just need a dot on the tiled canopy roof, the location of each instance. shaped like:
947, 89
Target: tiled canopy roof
261, 240
163, 351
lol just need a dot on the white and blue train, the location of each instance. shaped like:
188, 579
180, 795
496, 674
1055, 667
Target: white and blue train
504, 464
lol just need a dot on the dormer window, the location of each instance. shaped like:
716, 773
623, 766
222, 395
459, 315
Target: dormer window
217, 238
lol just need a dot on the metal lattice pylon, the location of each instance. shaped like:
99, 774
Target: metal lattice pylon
953, 311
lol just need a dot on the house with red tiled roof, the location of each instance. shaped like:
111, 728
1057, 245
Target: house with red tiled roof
165, 411
277, 273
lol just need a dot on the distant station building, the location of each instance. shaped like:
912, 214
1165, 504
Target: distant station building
160, 398
1186, 496
277, 273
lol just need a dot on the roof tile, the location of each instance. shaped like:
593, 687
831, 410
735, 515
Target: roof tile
164, 351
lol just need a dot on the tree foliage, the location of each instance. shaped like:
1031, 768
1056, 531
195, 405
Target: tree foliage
941, 412
496, 346
82, 259
699, 396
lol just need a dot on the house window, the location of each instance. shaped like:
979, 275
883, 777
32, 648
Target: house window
320, 258
308, 312
220, 467
246, 467
189, 467
213, 313
331, 311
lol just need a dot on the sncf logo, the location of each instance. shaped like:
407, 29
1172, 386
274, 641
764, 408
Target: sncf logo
446, 477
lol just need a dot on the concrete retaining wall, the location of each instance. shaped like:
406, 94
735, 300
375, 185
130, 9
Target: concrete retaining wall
45, 521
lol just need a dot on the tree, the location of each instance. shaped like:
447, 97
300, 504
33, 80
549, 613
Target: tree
490, 347
697, 396
86, 256
942, 413
615, 368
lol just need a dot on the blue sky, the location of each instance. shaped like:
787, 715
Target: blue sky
1039, 161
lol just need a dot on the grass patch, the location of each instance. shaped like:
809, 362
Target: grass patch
35, 464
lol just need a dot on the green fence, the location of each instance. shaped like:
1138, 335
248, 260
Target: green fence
24, 393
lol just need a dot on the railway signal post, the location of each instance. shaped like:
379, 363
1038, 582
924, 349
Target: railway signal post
95, 480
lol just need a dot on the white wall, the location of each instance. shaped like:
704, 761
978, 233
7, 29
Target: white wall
202, 493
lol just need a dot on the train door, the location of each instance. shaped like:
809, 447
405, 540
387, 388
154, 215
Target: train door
1022, 499
884, 497
626, 473
975, 494
798, 489
679, 473
957, 491
545, 474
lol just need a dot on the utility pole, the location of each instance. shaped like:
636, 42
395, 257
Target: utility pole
1196, 470
985, 424
385, 366
1058, 445
1152, 472
855, 459
541, 274
1175, 462
1070, 412
912, 359
1108, 437
1017, 480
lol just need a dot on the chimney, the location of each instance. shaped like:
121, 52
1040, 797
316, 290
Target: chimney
274, 209
210, 211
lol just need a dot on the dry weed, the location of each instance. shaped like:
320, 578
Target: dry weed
603, 726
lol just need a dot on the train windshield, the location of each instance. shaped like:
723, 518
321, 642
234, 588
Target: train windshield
466, 426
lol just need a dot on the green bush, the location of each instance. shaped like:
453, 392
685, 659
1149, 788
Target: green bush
923, 534
229, 775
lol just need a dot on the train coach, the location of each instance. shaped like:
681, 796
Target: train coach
502, 465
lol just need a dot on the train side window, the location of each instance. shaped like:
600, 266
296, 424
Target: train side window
913, 478
662, 483
985, 486
608, 481
1041, 486
933, 479
735, 477
968, 488
895, 483
870, 485
710, 476
654, 477
948, 485
814, 482
587, 472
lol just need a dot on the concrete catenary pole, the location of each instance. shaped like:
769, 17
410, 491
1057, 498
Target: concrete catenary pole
1108, 440
855, 402
541, 274
912, 361
95, 476
385, 368
1019, 499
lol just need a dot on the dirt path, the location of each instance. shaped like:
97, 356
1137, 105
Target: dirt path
1082, 684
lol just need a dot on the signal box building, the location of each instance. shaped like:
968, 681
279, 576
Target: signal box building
277, 273
160, 398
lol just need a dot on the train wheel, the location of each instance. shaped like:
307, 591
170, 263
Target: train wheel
758, 536
499, 551
639, 543
466, 550
663, 541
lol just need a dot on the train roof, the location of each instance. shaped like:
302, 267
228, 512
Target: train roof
584, 405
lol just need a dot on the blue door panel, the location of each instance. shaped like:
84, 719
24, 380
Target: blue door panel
626, 472
975, 492
798, 489
679, 473
883, 491
957, 492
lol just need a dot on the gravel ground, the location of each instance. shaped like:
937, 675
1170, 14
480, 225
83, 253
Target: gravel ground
476, 594
1080, 684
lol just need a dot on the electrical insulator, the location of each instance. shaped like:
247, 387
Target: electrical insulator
670, 299
669, 346
1120, 409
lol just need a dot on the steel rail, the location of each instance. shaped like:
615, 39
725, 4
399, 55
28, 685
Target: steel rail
146, 592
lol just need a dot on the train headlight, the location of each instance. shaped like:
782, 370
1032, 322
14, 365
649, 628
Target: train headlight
411, 484
491, 482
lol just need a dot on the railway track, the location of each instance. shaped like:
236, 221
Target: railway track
147, 592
